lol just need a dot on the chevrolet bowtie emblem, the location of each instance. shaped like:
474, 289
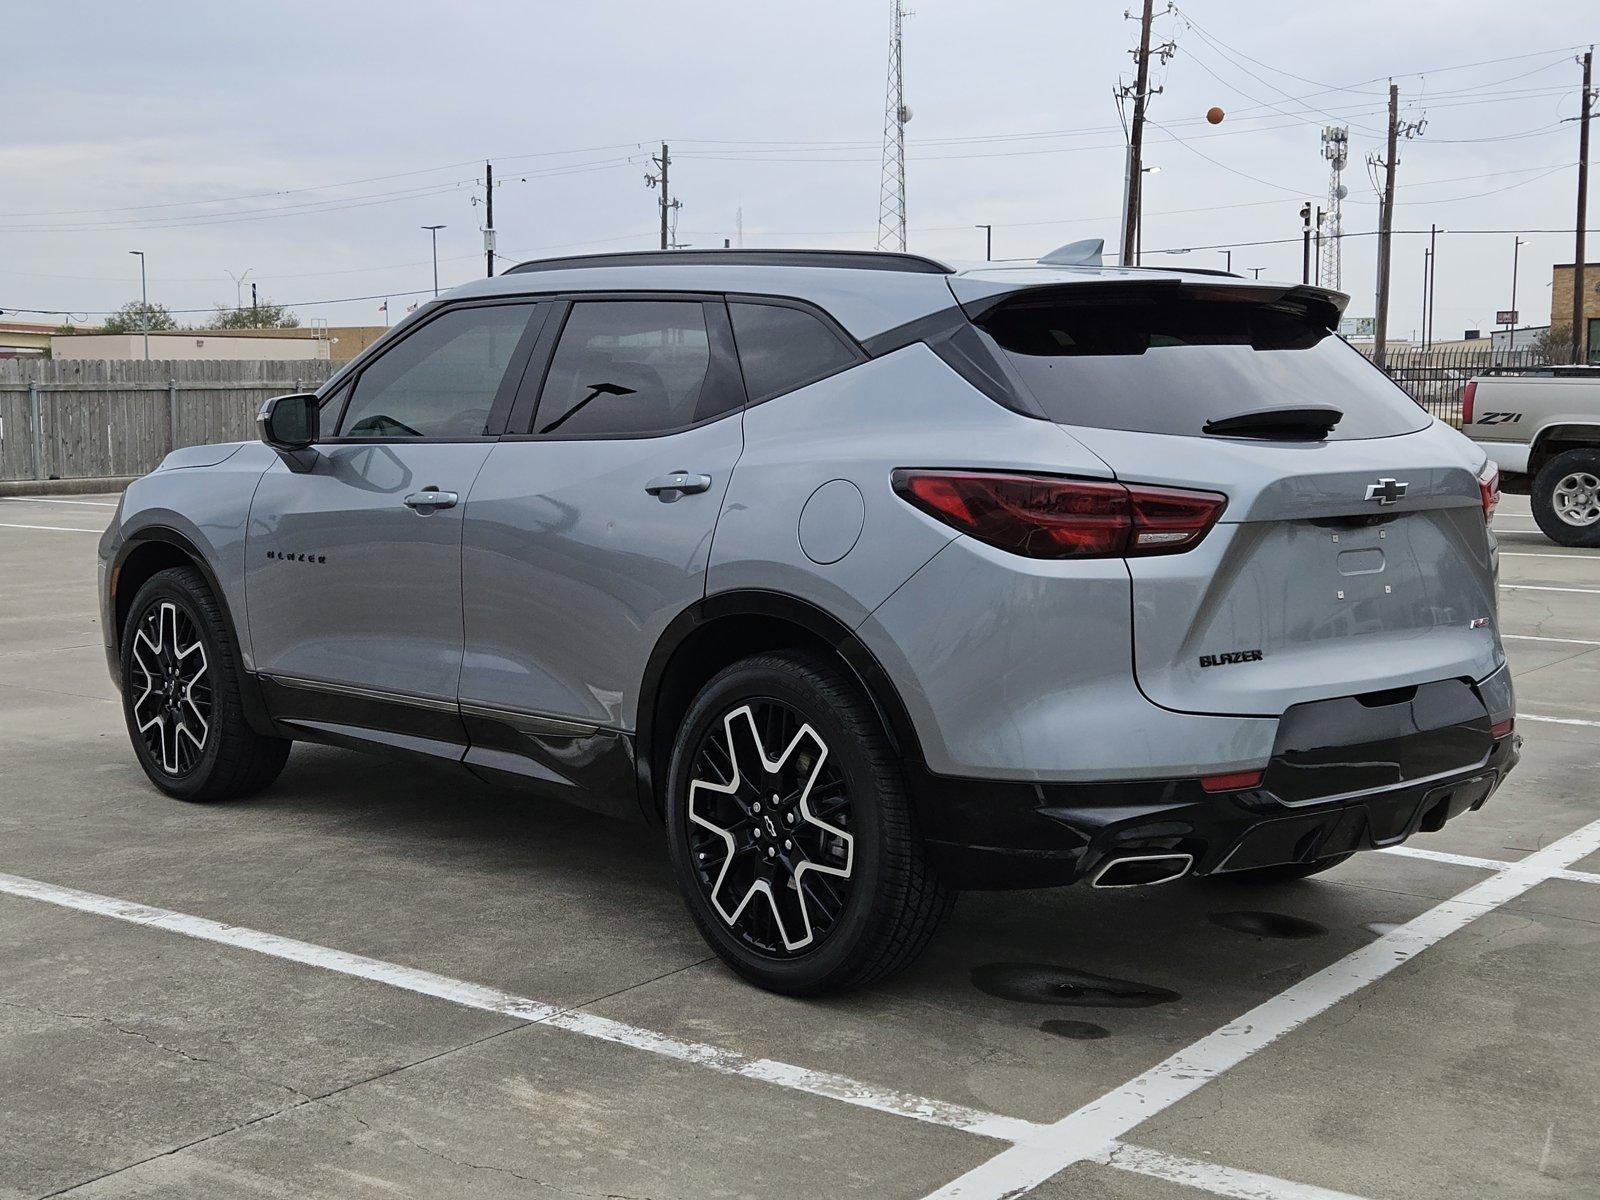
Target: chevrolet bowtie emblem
1386, 491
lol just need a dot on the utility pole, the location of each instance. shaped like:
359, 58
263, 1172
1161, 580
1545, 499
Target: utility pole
1433, 280
1511, 326
1579, 353
1135, 180
988, 241
1305, 242
255, 309
144, 301
1427, 284
668, 205
488, 224
1380, 340
433, 231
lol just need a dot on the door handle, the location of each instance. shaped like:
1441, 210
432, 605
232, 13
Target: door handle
432, 498
684, 482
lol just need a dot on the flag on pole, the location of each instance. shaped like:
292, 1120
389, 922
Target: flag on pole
384, 307
412, 307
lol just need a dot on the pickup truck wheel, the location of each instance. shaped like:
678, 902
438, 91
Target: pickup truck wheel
1566, 498
180, 695
791, 834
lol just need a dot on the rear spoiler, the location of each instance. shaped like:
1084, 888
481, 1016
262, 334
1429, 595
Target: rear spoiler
1111, 289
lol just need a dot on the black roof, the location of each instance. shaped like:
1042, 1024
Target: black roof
858, 260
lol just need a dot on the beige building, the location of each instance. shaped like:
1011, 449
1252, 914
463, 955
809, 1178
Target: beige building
24, 339
1561, 306
188, 344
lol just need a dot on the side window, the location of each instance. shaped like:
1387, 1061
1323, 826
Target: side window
628, 367
441, 381
783, 348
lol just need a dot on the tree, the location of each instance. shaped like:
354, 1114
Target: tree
265, 315
137, 317
1554, 343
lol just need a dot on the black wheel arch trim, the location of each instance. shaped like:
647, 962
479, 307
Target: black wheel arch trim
255, 708
863, 665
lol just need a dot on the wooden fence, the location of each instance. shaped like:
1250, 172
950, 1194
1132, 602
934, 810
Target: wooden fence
89, 420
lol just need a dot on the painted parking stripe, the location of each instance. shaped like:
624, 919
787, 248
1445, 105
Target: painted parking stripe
1098, 1126
1482, 864
1210, 1176
1547, 554
50, 528
1558, 720
1536, 587
58, 500
1528, 637
523, 1008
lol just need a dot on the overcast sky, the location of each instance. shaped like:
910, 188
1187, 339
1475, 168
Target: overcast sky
308, 142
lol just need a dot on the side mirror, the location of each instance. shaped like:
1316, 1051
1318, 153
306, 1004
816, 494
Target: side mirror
291, 425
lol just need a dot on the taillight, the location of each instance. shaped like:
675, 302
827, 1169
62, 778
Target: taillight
1489, 488
1044, 516
1502, 729
1468, 395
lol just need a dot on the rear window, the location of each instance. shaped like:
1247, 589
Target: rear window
1169, 364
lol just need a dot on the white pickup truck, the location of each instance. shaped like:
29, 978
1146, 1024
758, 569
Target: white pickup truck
1544, 423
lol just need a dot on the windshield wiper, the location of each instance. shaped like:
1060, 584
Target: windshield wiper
1278, 424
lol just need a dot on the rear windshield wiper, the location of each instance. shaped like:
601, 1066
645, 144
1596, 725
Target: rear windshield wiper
1278, 424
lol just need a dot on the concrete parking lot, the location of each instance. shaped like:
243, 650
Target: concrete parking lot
373, 981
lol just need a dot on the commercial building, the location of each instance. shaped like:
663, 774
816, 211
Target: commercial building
1561, 276
188, 344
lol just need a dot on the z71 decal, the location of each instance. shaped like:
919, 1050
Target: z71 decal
1499, 418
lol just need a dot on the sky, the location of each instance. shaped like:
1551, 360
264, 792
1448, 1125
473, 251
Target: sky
308, 143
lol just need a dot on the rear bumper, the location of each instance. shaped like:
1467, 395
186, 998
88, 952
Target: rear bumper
1343, 777
1510, 457
1058, 834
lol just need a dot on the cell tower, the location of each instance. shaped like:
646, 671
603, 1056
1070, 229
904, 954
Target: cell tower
1336, 149
892, 192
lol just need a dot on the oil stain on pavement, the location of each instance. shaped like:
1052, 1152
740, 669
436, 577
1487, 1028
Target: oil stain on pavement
1043, 983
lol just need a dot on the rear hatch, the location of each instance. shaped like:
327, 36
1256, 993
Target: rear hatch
1348, 560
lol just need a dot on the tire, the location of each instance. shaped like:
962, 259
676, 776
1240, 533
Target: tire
1566, 498
1284, 873
180, 695
850, 897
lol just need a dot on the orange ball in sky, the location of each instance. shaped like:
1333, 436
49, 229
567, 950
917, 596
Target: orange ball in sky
1215, 115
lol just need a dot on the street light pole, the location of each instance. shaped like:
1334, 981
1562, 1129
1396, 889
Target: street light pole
433, 231
1511, 338
1228, 259
988, 241
238, 286
1433, 277
144, 302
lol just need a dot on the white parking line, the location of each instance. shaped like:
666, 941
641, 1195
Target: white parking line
1213, 1177
1222, 1181
1528, 637
50, 528
1547, 554
1482, 864
523, 1008
1558, 720
57, 500
1531, 587
1095, 1129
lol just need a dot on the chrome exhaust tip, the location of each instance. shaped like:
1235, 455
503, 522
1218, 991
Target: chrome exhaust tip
1141, 870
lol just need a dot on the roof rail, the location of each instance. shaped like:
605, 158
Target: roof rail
858, 260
